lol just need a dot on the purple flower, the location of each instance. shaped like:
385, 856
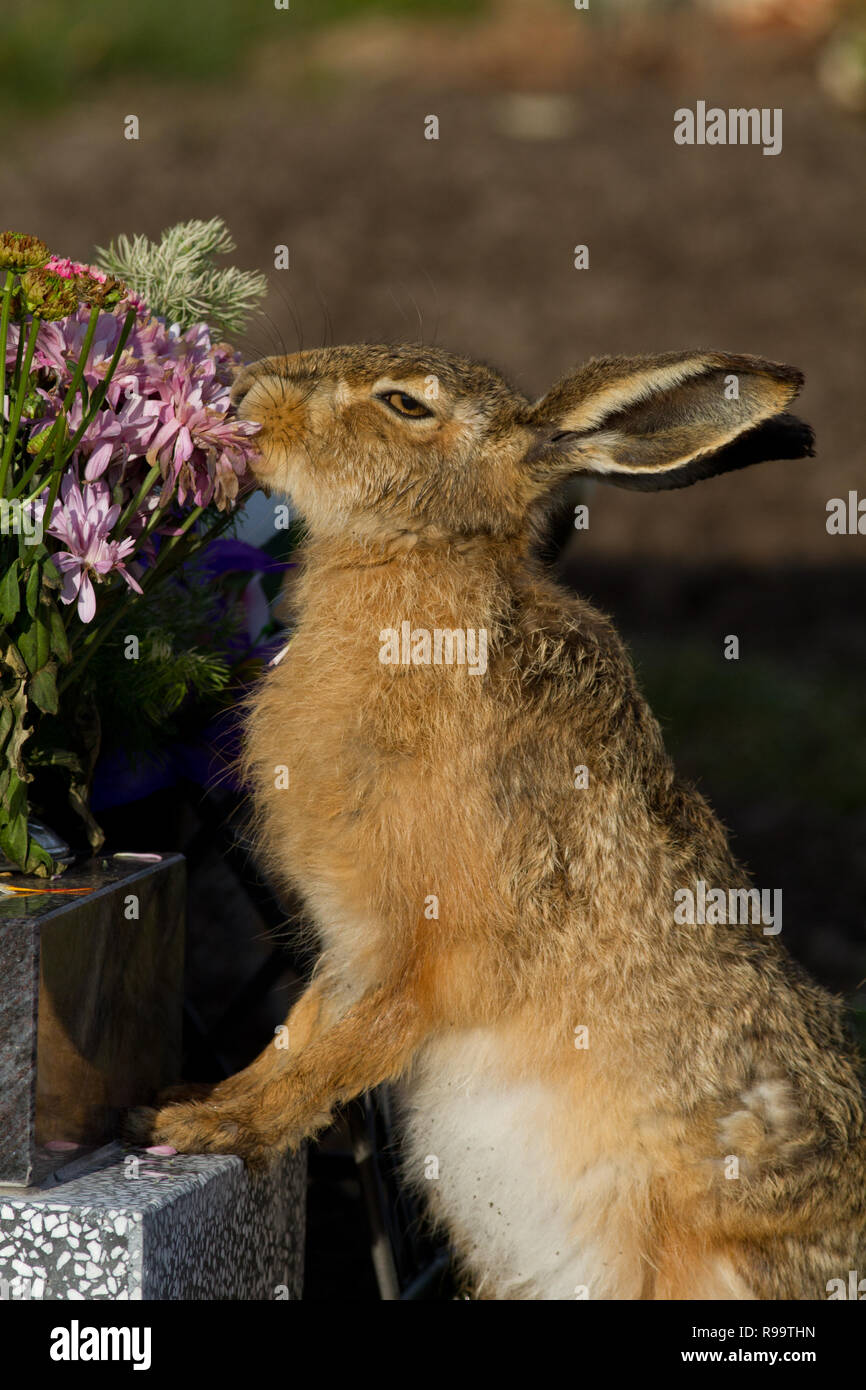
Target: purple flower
113, 435
82, 518
50, 346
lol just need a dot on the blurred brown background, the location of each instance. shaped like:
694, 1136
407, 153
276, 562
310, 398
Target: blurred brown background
306, 127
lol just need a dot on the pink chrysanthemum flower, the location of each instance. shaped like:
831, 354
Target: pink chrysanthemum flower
82, 518
164, 434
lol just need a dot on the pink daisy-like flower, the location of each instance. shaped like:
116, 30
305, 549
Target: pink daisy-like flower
82, 518
61, 265
167, 403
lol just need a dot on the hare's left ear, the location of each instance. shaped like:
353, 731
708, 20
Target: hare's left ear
666, 421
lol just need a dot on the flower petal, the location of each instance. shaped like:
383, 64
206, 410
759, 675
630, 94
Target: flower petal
86, 599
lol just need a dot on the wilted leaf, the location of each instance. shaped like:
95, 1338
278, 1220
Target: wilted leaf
78, 797
46, 755
39, 862
13, 822
11, 657
15, 701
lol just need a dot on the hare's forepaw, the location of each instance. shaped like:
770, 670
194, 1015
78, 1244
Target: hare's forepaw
200, 1126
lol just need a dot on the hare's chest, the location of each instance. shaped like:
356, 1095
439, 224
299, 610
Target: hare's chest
340, 755
302, 741
338, 810
529, 1221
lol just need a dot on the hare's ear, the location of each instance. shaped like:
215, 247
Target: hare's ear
666, 421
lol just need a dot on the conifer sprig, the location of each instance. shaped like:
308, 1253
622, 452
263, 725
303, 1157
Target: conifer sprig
177, 279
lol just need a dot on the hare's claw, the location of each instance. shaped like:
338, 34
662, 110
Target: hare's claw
199, 1127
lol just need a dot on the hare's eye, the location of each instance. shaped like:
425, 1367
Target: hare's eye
405, 405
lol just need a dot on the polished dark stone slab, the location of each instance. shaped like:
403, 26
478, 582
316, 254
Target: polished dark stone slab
90, 1006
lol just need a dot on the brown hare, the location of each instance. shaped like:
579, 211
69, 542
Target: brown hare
455, 767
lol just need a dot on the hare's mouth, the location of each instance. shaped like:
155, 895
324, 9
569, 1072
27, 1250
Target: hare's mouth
293, 404
279, 405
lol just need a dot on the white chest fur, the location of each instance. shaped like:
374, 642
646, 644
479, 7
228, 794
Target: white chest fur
485, 1151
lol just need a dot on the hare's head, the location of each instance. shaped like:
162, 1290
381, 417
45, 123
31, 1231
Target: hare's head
381, 441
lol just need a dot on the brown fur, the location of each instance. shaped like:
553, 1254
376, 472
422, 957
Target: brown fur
555, 904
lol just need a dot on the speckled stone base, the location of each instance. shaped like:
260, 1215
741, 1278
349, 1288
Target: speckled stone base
148, 1227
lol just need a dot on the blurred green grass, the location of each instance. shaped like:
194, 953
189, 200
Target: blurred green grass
757, 728
761, 732
52, 53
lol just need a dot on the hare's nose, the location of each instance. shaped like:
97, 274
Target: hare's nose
286, 369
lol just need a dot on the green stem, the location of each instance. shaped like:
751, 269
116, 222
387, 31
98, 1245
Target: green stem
154, 518
4, 331
81, 364
172, 541
19, 351
74, 384
56, 477
152, 475
15, 415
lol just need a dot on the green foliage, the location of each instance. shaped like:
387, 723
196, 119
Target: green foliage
176, 278
32, 648
783, 712
53, 52
50, 725
140, 701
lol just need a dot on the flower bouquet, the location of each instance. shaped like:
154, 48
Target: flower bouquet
119, 459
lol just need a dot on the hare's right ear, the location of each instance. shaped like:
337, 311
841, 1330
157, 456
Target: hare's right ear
666, 421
